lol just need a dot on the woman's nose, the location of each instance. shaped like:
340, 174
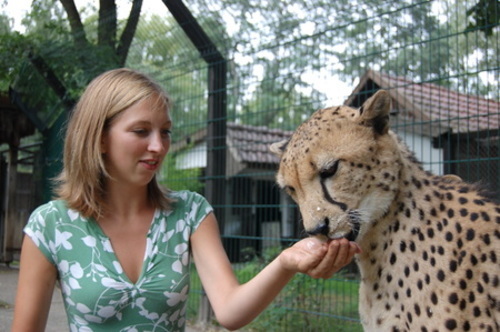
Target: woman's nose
156, 143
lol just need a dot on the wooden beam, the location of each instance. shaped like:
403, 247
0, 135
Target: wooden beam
10, 217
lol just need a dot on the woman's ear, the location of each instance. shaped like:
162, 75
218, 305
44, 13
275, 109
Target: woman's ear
103, 143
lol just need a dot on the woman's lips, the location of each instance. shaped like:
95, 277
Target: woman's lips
150, 164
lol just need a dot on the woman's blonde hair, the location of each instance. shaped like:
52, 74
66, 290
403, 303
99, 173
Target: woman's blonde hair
82, 181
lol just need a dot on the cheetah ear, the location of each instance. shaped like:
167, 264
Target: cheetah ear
375, 112
279, 147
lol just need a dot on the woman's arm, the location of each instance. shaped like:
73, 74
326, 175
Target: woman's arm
37, 277
236, 305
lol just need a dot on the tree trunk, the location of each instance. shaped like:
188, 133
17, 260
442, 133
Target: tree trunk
129, 32
106, 34
75, 23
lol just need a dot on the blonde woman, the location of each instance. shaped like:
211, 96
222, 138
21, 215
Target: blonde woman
120, 245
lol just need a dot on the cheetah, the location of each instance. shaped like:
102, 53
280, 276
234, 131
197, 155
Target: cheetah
430, 244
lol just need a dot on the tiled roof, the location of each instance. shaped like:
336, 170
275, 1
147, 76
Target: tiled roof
250, 144
436, 108
247, 144
432, 104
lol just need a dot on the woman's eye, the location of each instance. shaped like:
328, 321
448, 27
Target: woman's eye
140, 132
166, 132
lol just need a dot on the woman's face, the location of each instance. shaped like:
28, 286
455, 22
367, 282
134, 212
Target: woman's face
136, 143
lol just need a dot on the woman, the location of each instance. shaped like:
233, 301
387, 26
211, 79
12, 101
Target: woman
120, 245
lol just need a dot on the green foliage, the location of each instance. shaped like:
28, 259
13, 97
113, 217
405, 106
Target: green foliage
159, 48
276, 102
279, 46
305, 304
271, 47
47, 39
180, 179
17, 45
485, 16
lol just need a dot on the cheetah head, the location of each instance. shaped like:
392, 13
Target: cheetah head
341, 168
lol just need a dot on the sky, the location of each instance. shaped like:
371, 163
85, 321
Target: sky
16, 9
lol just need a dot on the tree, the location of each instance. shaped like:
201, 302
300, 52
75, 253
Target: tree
485, 16
107, 36
9, 61
309, 41
49, 65
177, 66
59, 53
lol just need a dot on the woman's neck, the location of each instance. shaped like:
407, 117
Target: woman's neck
122, 201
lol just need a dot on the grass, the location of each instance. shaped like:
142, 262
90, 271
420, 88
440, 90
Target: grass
305, 304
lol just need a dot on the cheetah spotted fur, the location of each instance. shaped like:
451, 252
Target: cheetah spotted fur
430, 244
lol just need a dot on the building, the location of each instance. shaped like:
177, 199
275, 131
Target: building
450, 132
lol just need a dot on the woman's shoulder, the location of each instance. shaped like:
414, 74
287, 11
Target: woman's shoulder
51, 206
47, 217
189, 206
57, 209
186, 200
186, 196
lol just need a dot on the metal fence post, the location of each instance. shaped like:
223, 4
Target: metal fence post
216, 120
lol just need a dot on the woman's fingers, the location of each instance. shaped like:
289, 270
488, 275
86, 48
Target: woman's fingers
339, 254
346, 253
326, 265
317, 258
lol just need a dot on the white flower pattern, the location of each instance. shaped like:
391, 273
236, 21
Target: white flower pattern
98, 295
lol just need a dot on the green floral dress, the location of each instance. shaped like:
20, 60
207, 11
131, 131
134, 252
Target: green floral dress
97, 294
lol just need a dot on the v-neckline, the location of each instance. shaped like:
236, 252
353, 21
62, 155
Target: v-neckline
124, 275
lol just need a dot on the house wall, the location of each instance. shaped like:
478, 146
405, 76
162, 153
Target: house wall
11, 237
195, 157
431, 158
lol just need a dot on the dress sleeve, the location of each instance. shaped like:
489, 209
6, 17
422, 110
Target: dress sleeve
41, 229
200, 208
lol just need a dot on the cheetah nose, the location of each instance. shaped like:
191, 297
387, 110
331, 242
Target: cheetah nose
321, 229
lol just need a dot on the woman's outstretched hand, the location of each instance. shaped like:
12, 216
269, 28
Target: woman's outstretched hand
318, 259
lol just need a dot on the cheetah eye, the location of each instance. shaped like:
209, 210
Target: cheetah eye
329, 171
290, 190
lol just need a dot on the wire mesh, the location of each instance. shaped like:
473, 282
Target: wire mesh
287, 59
279, 62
